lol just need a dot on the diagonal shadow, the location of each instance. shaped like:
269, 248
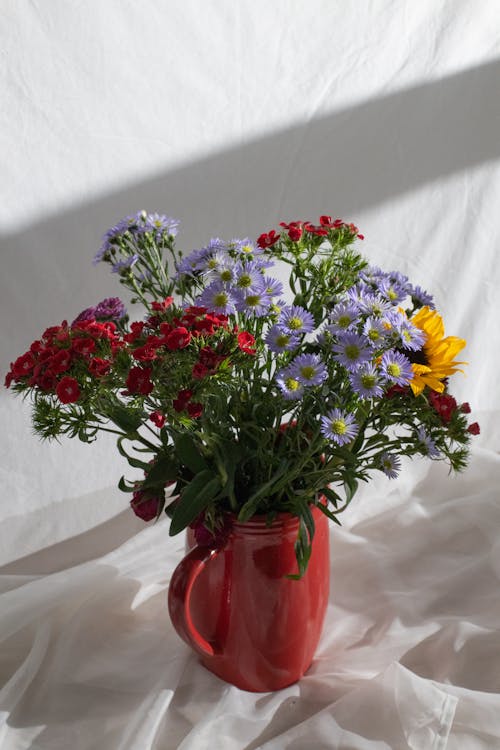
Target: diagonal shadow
343, 163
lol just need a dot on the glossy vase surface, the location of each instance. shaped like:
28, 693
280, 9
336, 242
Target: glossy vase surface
233, 604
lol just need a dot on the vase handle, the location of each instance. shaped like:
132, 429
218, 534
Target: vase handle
179, 598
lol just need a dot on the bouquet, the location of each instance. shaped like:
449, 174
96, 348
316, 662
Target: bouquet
237, 393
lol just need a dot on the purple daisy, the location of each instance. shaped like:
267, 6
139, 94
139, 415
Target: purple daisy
366, 382
339, 426
279, 340
343, 317
428, 446
296, 320
420, 297
254, 301
111, 308
218, 298
309, 369
351, 350
291, 388
396, 367
122, 266
390, 464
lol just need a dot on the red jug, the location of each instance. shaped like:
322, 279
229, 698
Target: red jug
233, 604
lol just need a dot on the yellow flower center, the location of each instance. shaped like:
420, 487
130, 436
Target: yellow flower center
220, 299
394, 369
292, 384
339, 427
295, 324
307, 372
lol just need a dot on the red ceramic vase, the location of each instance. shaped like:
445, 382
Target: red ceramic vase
233, 604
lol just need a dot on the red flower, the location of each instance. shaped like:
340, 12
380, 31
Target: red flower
157, 418
268, 240
465, 408
474, 428
145, 353
199, 371
194, 409
444, 404
135, 331
325, 221
179, 338
295, 233
99, 367
83, 346
246, 342
164, 305
139, 380
59, 363
23, 365
143, 506
68, 390
183, 397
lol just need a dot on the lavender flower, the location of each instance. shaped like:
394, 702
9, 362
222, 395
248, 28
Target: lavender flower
218, 298
420, 297
351, 350
87, 314
279, 340
375, 330
160, 224
343, 317
248, 276
309, 369
274, 287
254, 301
296, 320
339, 426
291, 388
390, 464
396, 367
122, 266
429, 447
366, 382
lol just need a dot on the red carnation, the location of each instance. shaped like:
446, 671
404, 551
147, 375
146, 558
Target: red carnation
157, 418
179, 338
182, 399
268, 239
194, 409
99, 367
164, 305
139, 380
59, 363
295, 233
68, 390
23, 365
83, 346
444, 404
246, 342
474, 428
143, 506
465, 408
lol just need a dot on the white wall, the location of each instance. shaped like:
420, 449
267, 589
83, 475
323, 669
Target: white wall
232, 116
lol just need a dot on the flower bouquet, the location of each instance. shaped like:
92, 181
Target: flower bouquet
237, 395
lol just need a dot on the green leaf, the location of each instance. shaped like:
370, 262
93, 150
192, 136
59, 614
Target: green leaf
135, 462
193, 499
163, 470
127, 420
249, 508
187, 451
126, 487
324, 509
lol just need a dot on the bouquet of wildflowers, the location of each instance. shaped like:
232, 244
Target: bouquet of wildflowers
235, 396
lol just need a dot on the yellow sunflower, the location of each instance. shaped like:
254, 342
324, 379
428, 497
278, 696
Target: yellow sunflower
435, 361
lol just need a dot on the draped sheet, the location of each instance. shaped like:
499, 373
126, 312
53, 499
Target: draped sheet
408, 656
233, 116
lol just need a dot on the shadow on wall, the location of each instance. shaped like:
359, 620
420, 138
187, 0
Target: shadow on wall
345, 162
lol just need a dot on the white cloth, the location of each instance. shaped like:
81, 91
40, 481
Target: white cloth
233, 116
408, 657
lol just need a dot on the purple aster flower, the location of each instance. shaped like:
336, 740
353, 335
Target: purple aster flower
255, 301
428, 447
411, 337
189, 265
309, 369
420, 297
111, 308
396, 367
274, 287
279, 340
374, 305
375, 331
291, 388
213, 261
392, 291
343, 317
296, 320
246, 249
339, 426
160, 224
248, 276
366, 382
390, 464
351, 350
218, 298
121, 266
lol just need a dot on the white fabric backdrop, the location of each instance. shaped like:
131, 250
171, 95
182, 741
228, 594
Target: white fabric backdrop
232, 117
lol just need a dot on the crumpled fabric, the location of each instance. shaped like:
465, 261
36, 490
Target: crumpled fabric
408, 658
